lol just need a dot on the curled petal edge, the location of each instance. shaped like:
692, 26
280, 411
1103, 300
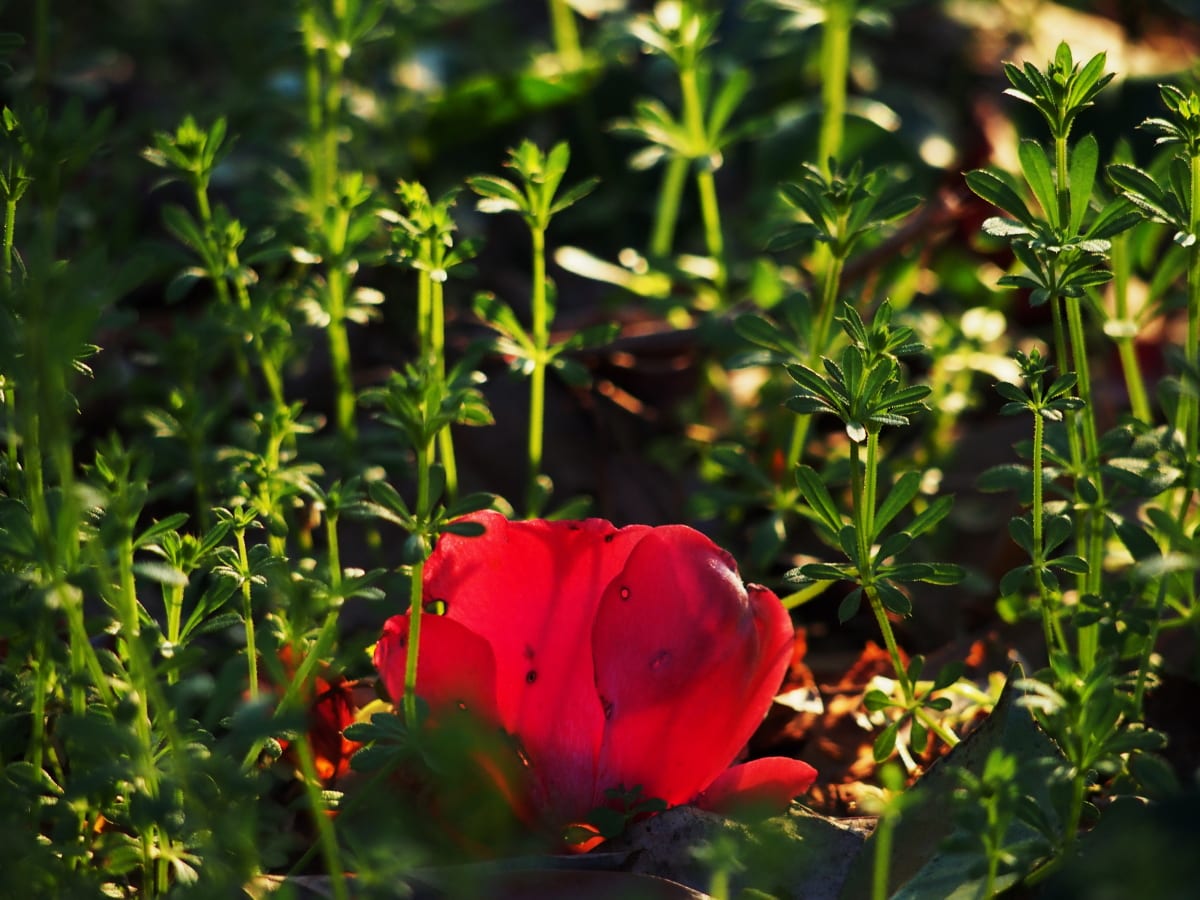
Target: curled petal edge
766, 785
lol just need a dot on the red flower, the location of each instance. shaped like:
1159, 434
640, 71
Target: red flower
615, 658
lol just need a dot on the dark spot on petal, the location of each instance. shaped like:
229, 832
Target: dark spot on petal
607, 706
660, 659
529, 651
531, 676
608, 538
625, 592
573, 526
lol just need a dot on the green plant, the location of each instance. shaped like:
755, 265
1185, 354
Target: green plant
535, 201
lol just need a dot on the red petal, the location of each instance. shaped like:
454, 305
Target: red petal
768, 784
687, 661
532, 589
455, 667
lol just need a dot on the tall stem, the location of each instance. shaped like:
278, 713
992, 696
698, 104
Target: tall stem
339, 352
835, 67
445, 440
416, 606
818, 340
706, 186
670, 195
1189, 403
566, 35
1135, 385
863, 479
248, 616
537, 382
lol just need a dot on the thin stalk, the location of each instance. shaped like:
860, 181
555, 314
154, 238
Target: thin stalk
566, 35
883, 856
10, 224
537, 383
710, 213
1075, 811
835, 68
445, 440
1051, 630
1135, 384
1143, 672
863, 478
339, 352
335, 63
830, 288
416, 606
1087, 456
706, 186
1089, 635
1189, 403
248, 616
326, 838
670, 196
41, 688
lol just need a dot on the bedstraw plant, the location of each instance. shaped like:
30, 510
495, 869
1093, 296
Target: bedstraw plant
215, 528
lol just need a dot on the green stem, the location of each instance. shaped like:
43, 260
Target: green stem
1089, 635
862, 483
1049, 621
566, 35
41, 663
706, 186
1189, 403
818, 340
883, 856
948, 737
1135, 384
339, 353
248, 616
416, 605
445, 439
670, 196
6, 254
1075, 812
1143, 672
835, 68
335, 61
537, 383
326, 838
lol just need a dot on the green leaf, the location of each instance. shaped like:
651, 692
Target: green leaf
930, 516
849, 606
1015, 580
1055, 530
899, 497
574, 194
813, 489
497, 195
894, 600
1085, 158
1022, 533
885, 743
1000, 194
158, 529
1036, 169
